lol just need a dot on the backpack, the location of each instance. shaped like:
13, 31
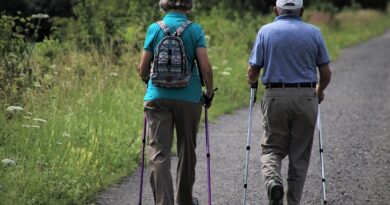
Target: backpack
170, 66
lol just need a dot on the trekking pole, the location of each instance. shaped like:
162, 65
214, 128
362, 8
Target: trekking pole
141, 186
248, 141
321, 154
207, 155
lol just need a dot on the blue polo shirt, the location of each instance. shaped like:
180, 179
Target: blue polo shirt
193, 37
289, 50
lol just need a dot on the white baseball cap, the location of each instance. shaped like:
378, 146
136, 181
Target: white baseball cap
289, 4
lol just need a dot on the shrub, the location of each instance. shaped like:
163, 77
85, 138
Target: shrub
16, 46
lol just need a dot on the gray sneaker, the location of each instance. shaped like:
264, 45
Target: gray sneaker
195, 201
275, 193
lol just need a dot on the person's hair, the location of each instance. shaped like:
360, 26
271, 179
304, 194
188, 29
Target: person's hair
295, 12
184, 5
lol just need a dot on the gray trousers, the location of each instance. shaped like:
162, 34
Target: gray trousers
289, 120
162, 117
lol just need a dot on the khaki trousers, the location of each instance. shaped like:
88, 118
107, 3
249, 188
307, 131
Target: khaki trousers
289, 120
162, 117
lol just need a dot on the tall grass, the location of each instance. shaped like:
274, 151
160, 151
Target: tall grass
79, 128
352, 27
74, 138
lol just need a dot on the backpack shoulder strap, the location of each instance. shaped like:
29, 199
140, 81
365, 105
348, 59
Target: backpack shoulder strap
163, 26
182, 27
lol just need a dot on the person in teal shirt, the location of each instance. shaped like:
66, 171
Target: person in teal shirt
193, 37
179, 108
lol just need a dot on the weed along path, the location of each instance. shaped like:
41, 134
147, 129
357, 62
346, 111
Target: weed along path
356, 134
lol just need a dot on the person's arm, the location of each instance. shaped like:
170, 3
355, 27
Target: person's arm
145, 65
253, 74
205, 68
325, 77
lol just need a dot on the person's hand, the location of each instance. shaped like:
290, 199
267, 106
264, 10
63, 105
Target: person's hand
321, 96
254, 85
207, 99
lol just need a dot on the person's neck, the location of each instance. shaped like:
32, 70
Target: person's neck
178, 11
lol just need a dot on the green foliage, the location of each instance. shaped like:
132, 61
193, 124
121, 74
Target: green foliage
16, 47
98, 21
326, 7
106, 23
241, 6
349, 30
373, 4
29, 7
73, 137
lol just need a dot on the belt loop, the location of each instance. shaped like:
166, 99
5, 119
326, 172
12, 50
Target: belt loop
283, 85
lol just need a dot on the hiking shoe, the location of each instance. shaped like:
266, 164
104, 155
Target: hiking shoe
275, 193
195, 201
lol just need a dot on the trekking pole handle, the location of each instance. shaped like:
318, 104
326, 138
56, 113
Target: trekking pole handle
255, 85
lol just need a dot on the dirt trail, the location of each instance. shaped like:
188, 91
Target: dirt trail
356, 130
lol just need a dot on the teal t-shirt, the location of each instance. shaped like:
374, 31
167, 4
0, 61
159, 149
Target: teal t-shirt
193, 37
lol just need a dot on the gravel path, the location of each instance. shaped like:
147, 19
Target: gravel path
356, 131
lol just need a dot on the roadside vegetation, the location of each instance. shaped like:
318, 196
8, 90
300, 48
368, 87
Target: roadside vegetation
71, 105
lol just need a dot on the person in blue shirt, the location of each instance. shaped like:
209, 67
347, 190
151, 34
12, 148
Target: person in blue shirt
290, 52
167, 109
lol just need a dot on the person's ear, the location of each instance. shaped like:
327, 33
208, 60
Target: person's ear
301, 13
276, 11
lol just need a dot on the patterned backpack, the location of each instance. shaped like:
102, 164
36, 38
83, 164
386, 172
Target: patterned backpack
170, 66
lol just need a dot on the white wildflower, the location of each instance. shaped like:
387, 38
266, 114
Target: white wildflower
114, 74
66, 135
215, 68
228, 69
40, 16
14, 108
39, 120
59, 143
29, 113
26, 117
48, 77
8, 162
225, 73
37, 85
30, 126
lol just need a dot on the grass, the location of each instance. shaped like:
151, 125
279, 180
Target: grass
85, 139
80, 128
